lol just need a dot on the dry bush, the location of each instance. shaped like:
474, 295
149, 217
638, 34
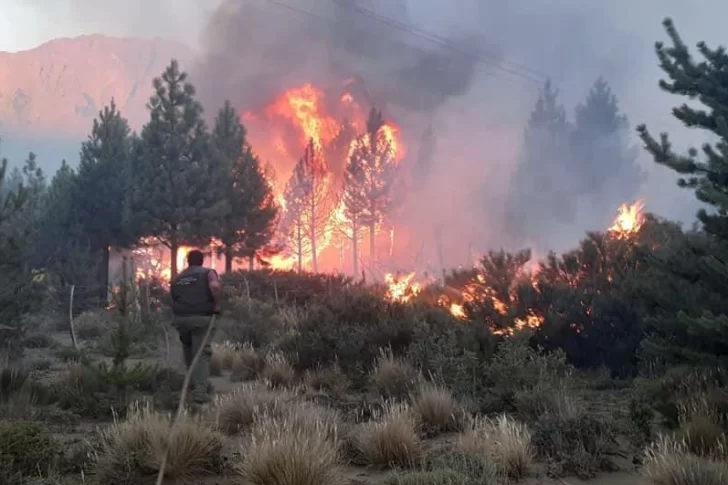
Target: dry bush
278, 372
248, 363
223, 356
328, 379
700, 427
503, 442
436, 409
236, 412
543, 399
391, 439
295, 447
392, 376
131, 450
447, 468
93, 324
669, 462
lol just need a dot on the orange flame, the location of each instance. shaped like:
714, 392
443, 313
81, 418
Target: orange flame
629, 221
303, 106
401, 288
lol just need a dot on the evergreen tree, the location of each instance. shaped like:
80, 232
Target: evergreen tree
354, 205
603, 165
295, 196
103, 185
699, 332
174, 191
372, 176
540, 196
249, 219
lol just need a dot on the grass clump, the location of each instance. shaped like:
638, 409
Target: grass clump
237, 411
391, 439
131, 451
248, 363
700, 427
502, 442
223, 356
329, 379
278, 372
670, 462
392, 377
26, 450
292, 448
436, 409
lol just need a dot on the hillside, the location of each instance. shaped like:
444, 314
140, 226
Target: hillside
58, 88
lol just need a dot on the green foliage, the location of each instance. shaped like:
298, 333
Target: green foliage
574, 444
26, 450
249, 219
284, 287
251, 321
174, 192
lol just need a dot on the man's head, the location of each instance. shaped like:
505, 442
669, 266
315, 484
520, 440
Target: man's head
195, 258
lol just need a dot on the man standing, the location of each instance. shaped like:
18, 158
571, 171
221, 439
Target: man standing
195, 298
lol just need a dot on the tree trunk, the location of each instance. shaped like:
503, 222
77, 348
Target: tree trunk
228, 258
104, 276
372, 248
251, 262
299, 241
314, 259
174, 249
355, 247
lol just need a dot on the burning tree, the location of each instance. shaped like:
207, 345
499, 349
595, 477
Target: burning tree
174, 193
309, 204
248, 221
369, 179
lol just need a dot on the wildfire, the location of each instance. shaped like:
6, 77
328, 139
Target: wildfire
401, 288
303, 106
629, 221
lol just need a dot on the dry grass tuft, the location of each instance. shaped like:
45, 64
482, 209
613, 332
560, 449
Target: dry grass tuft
223, 356
237, 411
248, 363
503, 442
296, 447
278, 372
329, 379
669, 462
700, 427
131, 451
391, 439
393, 376
436, 409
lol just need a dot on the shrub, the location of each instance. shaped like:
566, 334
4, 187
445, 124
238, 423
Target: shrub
449, 468
253, 321
328, 379
669, 462
20, 392
347, 328
573, 444
131, 450
39, 341
93, 325
502, 442
392, 376
278, 372
391, 439
289, 287
236, 412
26, 449
436, 409
248, 363
533, 403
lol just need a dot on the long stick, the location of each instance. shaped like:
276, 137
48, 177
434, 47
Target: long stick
70, 318
183, 398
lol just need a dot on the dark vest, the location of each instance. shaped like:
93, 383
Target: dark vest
191, 293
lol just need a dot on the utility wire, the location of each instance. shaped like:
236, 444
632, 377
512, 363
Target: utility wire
442, 42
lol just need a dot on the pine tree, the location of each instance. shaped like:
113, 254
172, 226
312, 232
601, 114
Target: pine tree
174, 177
248, 221
371, 179
698, 334
295, 196
354, 205
603, 165
310, 201
103, 185
539, 199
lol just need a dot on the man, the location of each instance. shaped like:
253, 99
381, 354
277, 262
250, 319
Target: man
195, 298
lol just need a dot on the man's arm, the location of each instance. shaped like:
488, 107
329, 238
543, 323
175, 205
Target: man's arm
213, 281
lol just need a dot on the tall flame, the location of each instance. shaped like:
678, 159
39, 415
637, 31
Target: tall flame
629, 220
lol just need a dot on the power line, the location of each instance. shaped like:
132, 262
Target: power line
442, 42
